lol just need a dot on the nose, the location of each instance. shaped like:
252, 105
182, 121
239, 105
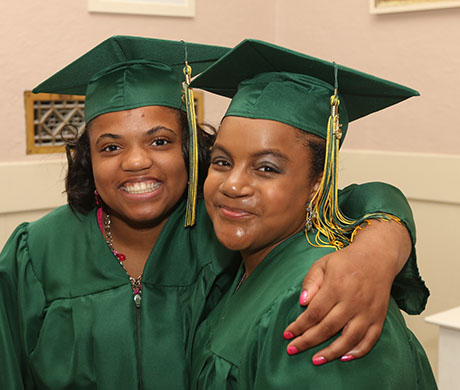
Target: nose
236, 184
136, 159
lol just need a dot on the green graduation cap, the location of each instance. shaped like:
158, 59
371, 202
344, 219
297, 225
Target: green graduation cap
125, 72
320, 97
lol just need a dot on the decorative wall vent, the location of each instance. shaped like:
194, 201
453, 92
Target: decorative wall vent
48, 117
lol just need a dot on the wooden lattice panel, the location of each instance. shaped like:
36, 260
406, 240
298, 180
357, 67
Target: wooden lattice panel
50, 118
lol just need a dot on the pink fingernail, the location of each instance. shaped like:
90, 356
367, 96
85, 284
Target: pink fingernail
291, 350
317, 361
288, 335
303, 297
347, 358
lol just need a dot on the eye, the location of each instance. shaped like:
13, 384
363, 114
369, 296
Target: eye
110, 148
220, 162
160, 142
268, 169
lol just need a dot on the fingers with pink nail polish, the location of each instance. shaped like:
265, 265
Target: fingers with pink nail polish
291, 350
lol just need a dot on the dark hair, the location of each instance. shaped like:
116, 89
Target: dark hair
79, 182
317, 147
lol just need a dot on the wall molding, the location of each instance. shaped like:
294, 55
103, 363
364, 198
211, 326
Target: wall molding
29, 186
422, 177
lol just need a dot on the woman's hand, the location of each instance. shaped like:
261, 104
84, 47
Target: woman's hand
349, 290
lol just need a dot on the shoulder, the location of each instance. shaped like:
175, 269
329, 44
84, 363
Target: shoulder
57, 224
53, 223
60, 237
54, 218
269, 364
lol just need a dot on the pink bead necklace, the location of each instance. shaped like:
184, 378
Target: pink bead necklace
136, 283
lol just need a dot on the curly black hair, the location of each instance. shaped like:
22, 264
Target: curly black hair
79, 182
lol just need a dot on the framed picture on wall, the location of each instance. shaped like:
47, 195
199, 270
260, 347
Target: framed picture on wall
394, 6
185, 8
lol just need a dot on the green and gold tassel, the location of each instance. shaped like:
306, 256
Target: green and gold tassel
334, 229
193, 147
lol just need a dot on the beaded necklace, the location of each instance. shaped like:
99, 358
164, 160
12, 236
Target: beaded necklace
136, 283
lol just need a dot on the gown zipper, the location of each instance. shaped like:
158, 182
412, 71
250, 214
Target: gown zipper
137, 291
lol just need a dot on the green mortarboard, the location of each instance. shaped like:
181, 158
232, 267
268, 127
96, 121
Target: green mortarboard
290, 87
271, 82
125, 72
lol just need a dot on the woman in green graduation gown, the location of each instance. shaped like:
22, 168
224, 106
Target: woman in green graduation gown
272, 178
107, 291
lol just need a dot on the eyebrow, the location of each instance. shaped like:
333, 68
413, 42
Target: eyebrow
272, 152
148, 133
265, 152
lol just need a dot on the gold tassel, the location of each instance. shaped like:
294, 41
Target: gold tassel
333, 228
193, 149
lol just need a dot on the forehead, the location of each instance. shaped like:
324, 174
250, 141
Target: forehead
247, 134
137, 120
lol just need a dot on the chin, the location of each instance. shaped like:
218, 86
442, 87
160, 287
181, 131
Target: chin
234, 239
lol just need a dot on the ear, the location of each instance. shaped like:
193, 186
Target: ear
315, 186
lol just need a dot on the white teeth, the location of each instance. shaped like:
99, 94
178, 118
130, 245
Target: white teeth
141, 188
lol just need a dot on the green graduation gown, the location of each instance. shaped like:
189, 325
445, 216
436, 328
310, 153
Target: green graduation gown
67, 315
240, 344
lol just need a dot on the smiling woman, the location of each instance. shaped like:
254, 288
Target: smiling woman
259, 193
101, 284
140, 174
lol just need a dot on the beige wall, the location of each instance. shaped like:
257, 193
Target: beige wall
418, 49
415, 145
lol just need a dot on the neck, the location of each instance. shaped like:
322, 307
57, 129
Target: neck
252, 258
132, 236
134, 242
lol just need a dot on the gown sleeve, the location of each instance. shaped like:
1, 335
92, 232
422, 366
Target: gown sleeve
396, 361
22, 303
409, 290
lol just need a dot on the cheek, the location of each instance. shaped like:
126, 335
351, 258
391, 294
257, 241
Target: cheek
210, 186
102, 173
283, 204
174, 166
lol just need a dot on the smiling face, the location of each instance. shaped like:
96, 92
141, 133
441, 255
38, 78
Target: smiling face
258, 184
137, 161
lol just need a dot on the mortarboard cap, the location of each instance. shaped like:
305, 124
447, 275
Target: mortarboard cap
268, 81
271, 82
125, 72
